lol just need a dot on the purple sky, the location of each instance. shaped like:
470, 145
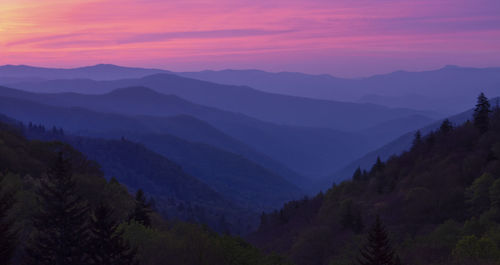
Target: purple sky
341, 37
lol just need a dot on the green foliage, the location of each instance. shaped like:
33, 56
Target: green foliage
473, 250
161, 243
494, 193
378, 250
142, 209
478, 194
107, 245
61, 234
190, 244
445, 188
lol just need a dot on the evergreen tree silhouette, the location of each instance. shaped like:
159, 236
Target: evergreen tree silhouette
378, 166
142, 210
107, 243
8, 237
358, 175
482, 113
446, 126
417, 140
61, 227
378, 250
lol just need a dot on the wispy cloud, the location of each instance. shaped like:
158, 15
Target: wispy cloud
207, 34
44, 38
294, 34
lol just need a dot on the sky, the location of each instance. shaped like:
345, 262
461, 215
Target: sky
347, 38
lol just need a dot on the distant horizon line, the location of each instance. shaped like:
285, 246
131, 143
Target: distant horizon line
247, 69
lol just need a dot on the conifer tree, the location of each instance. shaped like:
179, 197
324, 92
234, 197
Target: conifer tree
417, 140
378, 250
482, 113
61, 227
358, 175
142, 210
7, 235
107, 243
378, 166
446, 126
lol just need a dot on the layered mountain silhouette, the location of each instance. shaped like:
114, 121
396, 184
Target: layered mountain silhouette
15, 73
309, 151
238, 170
395, 147
280, 109
450, 89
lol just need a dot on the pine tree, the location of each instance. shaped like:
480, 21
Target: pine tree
61, 227
7, 234
417, 140
378, 250
446, 126
142, 210
482, 113
107, 243
358, 175
378, 166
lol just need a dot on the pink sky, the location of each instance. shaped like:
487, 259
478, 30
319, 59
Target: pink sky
339, 37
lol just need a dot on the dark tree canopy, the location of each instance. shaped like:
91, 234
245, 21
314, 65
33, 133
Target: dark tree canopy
7, 235
378, 166
358, 174
482, 113
378, 250
107, 243
446, 126
142, 210
61, 227
417, 140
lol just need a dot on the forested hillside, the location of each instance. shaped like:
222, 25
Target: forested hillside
440, 202
57, 208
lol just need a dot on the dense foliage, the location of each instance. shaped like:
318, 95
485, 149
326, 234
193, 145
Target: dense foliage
177, 195
440, 202
27, 168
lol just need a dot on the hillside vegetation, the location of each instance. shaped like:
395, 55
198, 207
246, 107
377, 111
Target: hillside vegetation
440, 202
56, 208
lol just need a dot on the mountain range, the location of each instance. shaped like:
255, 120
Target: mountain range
307, 150
448, 90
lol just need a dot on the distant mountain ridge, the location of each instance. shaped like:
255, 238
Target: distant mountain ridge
210, 169
95, 72
396, 147
451, 85
309, 151
270, 107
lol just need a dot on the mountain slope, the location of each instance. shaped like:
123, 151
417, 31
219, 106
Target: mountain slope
268, 192
25, 162
395, 147
137, 167
437, 201
309, 151
143, 101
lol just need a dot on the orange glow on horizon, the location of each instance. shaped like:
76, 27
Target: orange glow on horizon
282, 35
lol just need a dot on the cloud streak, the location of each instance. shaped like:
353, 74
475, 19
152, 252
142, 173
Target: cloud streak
206, 34
294, 35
